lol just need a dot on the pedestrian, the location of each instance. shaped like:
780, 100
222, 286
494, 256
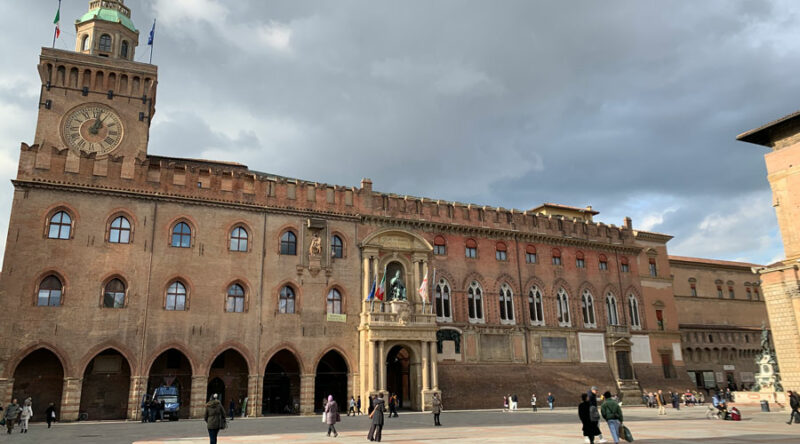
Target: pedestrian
662, 410
794, 403
505, 403
612, 413
514, 402
332, 416
12, 412
371, 405
676, 401
154, 410
352, 408
232, 409
436, 409
376, 415
358, 405
533, 402
25, 415
551, 400
594, 412
50, 413
215, 418
162, 406
590, 428
393, 405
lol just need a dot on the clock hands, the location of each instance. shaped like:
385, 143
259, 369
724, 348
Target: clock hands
97, 125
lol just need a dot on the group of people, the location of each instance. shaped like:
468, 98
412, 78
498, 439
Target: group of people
590, 415
152, 410
15, 414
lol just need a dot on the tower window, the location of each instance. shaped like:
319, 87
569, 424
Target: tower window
530, 254
603, 262
120, 232
501, 252
123, 50
60, 226
85, 43
439, 246
580, 262
105, 43
234, 302
624, 265
653, 269
289, 243
286, 301
556, 256
114, 294
471, 249
50, 290
337, 247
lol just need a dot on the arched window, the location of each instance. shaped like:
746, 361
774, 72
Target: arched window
580, 261
60, 226
535, 306
587, 309
501, 253
286, 304
120, 232
556, 256
755, 294
624, 265
439, 246
471, 249
123, 49
85, 43
289, 243
611, 309
181, 235
603, 262
562, 308
653, 269
238, 239
105, 43
506, 304
475, 302
443, 301
633, 312
235, 300
334, 301
530, 254
176, 297
337, 247
50, 290
114, 294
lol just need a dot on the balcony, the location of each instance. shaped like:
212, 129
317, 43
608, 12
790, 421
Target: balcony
618, 330
412, 316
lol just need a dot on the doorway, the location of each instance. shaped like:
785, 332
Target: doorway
398, 375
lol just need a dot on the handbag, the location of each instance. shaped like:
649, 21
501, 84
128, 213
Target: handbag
324, 417
625, 433
338, 418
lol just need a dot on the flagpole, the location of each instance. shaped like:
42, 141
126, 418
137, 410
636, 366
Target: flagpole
55, 31
433, 288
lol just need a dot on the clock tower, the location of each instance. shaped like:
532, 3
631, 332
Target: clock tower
97, 99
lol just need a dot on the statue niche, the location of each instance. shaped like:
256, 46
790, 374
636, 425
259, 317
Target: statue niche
396, 290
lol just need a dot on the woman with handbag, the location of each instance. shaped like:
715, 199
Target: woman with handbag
332, 416
376, 427
215, 418
590, 428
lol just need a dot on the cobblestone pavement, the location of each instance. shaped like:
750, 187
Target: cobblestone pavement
559, 426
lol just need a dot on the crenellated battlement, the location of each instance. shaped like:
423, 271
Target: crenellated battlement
234, 183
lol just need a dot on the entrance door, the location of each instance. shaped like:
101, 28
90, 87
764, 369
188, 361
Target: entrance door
624, 365
398, 377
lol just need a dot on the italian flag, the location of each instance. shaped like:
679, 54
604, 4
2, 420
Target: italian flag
381, 287
57, 20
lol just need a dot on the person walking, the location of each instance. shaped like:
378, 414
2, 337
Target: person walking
393, 405
794, 403
215, 418
376, 428
551, 400
12, 412
352, 407
514, 402
50, 413
25, 415
371, 405
358, 405
232, 409
590, 428
612, 413
533, 402
436, 409
505, 403
662, 410
332, 415
594, 412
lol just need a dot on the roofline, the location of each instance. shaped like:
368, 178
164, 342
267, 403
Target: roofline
566, 207
701, 262
762, 134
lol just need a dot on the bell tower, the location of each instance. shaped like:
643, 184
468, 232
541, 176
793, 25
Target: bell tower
97, 100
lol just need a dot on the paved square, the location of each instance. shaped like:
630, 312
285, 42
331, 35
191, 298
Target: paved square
560, 426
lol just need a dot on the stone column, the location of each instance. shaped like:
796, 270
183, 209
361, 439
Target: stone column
381, 363
307, 394
135, 394
372, 386
197, 402
71, 399
425, 352
434, 366
254, 394
6, 387
366, 283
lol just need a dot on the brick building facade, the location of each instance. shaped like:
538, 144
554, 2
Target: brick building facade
124, 271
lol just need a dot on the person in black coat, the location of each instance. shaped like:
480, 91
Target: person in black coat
794, 403
377, 420
50, 413
590, 428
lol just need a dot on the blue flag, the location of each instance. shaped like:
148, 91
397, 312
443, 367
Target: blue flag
152, 33
371, 295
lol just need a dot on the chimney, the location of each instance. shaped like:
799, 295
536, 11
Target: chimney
366, 184
628, 223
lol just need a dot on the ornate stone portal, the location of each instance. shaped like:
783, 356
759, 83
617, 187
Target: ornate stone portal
397, 340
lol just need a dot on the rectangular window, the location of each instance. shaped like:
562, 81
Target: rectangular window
694, 290
719, 292
653, 270
556, 261
471, 253
500, 255
580, 263
604, 265
625, 268
530, 258
731, 295
660, 319
439, 250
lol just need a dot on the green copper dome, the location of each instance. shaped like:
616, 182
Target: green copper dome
108, 15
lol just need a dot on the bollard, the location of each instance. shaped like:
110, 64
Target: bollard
764, 406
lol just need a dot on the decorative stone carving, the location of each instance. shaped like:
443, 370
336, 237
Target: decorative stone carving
448, 335
315, 249
768, 377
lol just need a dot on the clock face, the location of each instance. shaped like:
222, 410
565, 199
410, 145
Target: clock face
93, 128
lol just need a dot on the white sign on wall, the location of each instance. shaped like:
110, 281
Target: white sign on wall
593, 347
640, 350
676, 351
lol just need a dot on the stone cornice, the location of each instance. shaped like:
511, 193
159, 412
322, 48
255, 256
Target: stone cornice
652, 237
717, 266
500, 233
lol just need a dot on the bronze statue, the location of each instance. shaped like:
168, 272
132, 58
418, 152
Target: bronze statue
397, 288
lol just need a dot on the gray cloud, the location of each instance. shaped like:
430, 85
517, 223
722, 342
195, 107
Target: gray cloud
629, 106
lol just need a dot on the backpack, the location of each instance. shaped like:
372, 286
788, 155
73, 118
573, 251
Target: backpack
594, 415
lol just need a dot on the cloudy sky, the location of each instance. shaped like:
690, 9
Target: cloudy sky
629, 106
